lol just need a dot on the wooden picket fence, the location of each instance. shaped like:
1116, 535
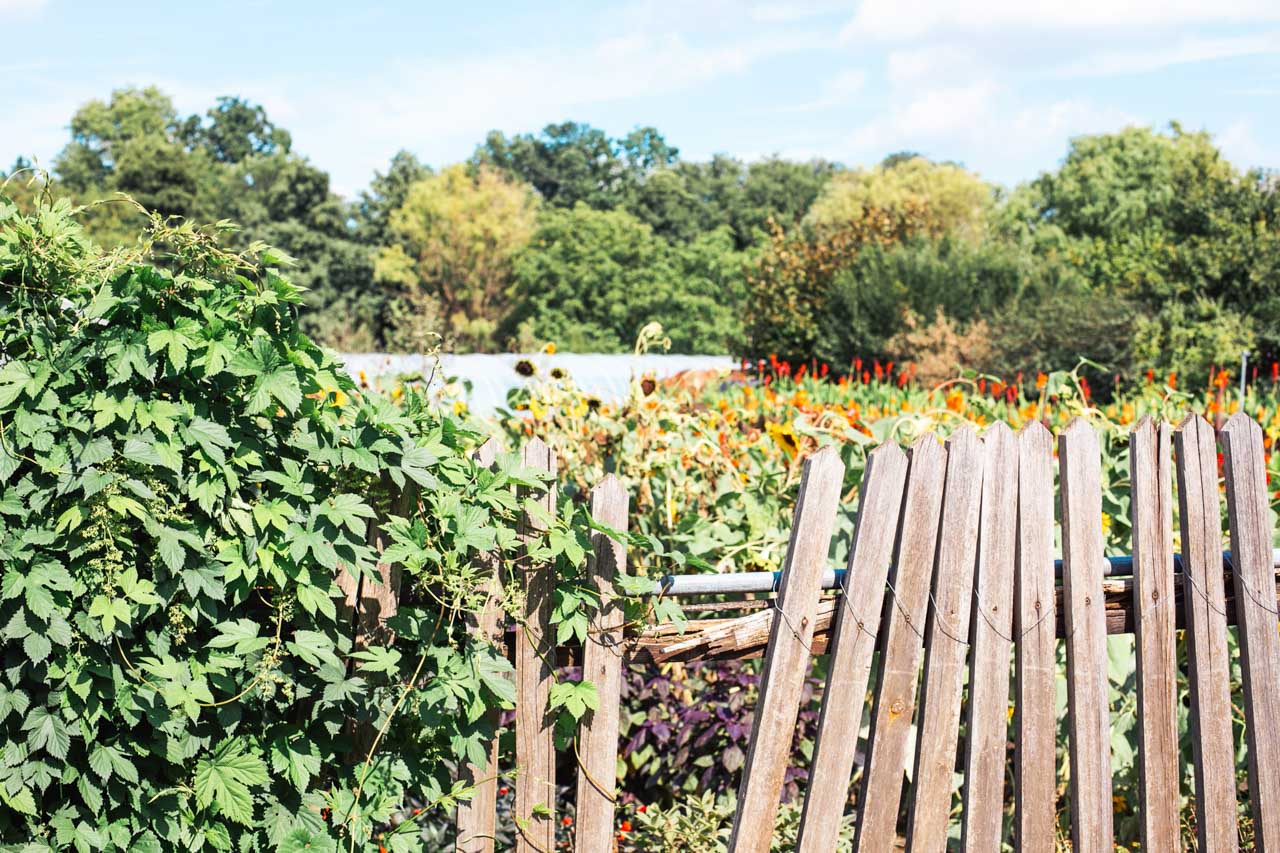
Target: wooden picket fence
951, 579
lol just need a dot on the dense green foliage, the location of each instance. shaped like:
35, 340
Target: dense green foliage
183, 474
593, 279
1149, 249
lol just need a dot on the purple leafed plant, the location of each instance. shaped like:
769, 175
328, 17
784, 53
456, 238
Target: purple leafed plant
687, 727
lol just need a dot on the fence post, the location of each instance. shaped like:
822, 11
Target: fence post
1035, 650
477, 817
947, 640
903, 646
602, 666
380, 599
1253, 575
535, 661
985, 757
366, 605
1151, 511
788, 657
1079, 460
1208, 656
852, 642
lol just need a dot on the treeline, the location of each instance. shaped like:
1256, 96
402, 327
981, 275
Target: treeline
1142, 251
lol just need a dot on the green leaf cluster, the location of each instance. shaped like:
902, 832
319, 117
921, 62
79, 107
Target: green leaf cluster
183, 477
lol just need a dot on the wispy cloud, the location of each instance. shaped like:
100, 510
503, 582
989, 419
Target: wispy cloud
433, 107
20, 8
835, 92
1139, 60
898, 20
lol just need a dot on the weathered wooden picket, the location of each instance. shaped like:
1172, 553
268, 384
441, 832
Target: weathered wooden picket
951, 579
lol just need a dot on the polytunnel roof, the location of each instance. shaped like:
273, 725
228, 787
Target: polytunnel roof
607, 376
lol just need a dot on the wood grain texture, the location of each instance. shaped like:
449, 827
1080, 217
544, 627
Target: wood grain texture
476, 820
602, 666
368, 604
1035, 628
988, 729
1151, 516
1251, 534
787, 660
1087, 689
1208, 657
902, 645
853, 639
535, 658
947, 639
380, 599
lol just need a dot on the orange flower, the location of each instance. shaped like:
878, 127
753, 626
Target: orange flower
1041, 381
1221, 379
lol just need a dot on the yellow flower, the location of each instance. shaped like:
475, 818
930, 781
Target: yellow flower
550, 349
397, 392
784, 437
539, 411
339, 398
1106, 522
459, 407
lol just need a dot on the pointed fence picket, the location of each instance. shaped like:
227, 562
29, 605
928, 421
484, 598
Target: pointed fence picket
950, 581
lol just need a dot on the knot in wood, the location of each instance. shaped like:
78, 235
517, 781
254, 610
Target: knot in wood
1087, 601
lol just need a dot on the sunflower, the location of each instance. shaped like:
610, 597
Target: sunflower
784, 437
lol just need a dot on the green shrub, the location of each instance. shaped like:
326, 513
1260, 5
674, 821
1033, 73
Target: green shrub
1190, 339
181, 473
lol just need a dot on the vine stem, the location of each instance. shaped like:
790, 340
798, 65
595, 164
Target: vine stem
373, 747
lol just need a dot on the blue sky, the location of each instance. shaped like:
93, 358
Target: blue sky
1000, 85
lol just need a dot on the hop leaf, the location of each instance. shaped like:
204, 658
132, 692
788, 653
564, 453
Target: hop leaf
223, 781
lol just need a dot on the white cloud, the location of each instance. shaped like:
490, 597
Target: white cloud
932, 116
20, 6
1136, 60
434, 108
1240, 144
915, 66
835, 92
20, 9
900, 20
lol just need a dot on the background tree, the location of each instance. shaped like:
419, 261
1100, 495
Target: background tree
957, 201
570, 163
590, 280
456, 235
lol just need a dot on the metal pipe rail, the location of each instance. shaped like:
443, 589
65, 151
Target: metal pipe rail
744, 582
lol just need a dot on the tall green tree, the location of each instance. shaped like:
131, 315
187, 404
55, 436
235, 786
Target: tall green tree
387, 192
590, 280
568, 163
455, 240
